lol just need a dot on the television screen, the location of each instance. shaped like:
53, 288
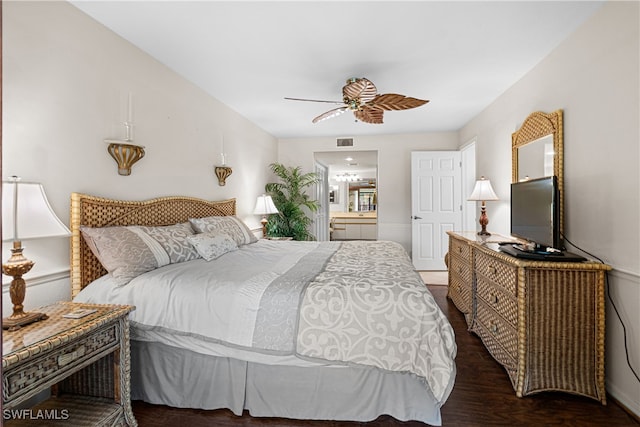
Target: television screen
535, 212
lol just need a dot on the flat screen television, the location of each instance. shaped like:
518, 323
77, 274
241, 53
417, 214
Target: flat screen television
535, 212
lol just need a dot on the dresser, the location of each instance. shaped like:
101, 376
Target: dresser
544, 322
85, 361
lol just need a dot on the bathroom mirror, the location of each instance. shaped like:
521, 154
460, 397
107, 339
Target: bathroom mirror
537, 151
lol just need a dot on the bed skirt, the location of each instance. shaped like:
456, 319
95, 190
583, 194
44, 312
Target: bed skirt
180, 378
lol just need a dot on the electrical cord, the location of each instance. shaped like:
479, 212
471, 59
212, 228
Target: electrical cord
606, 282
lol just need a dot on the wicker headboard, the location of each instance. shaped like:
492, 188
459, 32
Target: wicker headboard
94, 211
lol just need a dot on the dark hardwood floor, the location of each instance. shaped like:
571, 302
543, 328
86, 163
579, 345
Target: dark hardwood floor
482, 396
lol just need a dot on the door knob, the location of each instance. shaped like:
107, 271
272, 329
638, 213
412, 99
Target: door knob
416, 217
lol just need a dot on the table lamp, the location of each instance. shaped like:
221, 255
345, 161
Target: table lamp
264, 207
26, 214
483, 192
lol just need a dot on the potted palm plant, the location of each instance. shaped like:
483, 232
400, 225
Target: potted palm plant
291, 200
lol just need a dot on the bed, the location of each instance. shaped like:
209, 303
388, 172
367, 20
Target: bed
302, 330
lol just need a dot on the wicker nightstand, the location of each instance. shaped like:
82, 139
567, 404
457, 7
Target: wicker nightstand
85, 361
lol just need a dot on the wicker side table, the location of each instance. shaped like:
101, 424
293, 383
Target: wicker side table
85, 361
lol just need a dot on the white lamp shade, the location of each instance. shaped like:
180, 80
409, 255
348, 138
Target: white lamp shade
264, 206
26, 213
483, 191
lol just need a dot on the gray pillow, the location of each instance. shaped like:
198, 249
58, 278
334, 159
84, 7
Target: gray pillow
229, 225
127, 252
212, 246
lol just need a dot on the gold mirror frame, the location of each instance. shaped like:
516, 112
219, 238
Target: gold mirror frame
536, 126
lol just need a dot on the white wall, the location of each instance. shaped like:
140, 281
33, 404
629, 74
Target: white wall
593, 77
66, 81
394, 171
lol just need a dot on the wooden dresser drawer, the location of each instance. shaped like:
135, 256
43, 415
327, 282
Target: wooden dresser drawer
55, 364
496, 271
498, 335
460, 284
460, 248
498, 299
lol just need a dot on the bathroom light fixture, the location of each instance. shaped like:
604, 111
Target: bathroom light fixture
347, 177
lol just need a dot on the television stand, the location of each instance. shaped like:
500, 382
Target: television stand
518, 251
544, 322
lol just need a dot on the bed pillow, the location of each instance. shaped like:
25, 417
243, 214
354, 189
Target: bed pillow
127, 252
229, 225
211, 246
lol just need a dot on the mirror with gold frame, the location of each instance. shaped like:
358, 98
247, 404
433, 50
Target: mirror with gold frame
537, 151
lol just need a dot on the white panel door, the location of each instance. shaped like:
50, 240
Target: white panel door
436, 205
321, 218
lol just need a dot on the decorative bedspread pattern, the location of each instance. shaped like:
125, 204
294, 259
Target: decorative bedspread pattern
370, 307
323, 302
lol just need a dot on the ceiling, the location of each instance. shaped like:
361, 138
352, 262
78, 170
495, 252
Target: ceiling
250, 55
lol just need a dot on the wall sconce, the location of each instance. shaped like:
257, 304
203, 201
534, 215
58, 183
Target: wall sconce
125, 153
223, 172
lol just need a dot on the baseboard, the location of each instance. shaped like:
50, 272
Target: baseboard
628, 410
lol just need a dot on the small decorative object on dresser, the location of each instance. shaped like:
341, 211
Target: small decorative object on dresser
86, 362
543, 321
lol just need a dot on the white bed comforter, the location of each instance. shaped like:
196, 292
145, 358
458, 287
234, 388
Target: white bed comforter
296, 303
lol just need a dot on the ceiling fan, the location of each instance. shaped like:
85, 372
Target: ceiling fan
361, 96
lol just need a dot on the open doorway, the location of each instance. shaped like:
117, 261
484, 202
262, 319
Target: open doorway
350, 202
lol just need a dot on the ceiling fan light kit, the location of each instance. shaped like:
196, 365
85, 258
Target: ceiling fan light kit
361, 96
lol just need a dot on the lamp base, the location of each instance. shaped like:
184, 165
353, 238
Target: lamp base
16, 266
13, 323
484, 221
264, 221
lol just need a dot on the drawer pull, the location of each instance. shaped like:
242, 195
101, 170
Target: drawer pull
459, 270
492, 269
494, 298
459, 249
493, 328
65, 359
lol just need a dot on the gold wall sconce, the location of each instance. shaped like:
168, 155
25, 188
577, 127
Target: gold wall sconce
125, 154
223, 172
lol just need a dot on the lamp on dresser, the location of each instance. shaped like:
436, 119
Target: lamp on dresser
264, 207
481, 193
26, 214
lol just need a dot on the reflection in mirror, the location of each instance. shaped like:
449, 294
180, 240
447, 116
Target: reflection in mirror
362, 196
535, 159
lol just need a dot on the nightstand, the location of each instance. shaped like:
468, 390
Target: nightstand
85, 361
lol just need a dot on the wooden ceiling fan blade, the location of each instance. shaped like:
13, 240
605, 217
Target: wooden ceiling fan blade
359, 88
314, 100
369, 115
393, 101
330, 114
